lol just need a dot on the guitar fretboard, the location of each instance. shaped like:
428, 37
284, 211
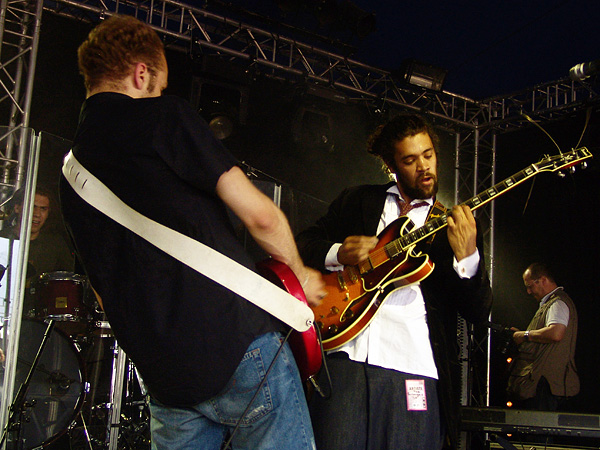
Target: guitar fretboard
546, 164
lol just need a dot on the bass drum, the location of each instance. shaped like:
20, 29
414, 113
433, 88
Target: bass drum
57, 388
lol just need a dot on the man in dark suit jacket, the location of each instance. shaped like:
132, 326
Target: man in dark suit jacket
395, 385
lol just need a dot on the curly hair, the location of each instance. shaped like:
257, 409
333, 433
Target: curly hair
385, 137
114, 46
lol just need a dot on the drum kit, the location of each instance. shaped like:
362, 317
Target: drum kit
82, 392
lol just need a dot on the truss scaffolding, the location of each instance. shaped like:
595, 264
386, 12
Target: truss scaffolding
185, 25
475, 123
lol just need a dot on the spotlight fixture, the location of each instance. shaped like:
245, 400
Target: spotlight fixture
312, 129
223, 105
222, 126
422, 74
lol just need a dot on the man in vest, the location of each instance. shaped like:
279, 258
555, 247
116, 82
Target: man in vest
544, 374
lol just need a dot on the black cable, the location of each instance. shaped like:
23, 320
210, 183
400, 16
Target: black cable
226, 445
326, 368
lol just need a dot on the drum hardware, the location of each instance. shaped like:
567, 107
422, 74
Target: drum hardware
121, 427
19, 404
122, 421
102, 329
116, 390
86, 432
57, 404
52, 391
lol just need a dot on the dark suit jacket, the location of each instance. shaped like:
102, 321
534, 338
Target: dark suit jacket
357, 212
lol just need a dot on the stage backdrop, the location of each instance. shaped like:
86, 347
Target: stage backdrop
314, 142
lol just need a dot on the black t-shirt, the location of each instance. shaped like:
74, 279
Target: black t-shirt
185, 333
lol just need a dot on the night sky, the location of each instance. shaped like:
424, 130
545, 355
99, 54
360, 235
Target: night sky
489, 47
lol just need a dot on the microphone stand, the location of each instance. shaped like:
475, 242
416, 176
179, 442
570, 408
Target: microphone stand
18, 405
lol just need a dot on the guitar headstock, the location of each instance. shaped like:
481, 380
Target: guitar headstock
563, 161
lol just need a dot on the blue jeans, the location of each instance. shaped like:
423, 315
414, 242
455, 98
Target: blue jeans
278, 418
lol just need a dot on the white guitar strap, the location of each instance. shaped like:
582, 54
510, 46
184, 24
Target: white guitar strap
196, 255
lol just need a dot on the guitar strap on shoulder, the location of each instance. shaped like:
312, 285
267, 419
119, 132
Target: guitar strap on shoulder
200, 257
436, 211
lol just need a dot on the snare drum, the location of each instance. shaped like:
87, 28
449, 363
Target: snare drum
60, 296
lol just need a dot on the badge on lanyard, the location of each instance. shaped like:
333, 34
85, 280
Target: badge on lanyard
416, 398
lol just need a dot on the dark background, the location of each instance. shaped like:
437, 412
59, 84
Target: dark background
280, 139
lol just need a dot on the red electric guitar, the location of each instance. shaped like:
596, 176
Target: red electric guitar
305, 345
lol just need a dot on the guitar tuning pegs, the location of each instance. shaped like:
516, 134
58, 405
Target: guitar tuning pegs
584, 165
561, 174
572, 169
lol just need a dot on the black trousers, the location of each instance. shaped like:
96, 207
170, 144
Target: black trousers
368, 410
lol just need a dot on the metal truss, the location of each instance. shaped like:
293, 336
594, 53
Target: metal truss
19, 37
475, 161
188, 26
475, 124
545, 102
19, 34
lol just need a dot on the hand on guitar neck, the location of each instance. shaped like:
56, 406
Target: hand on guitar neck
462, 232
462, 235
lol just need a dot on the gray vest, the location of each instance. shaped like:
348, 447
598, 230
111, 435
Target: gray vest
554, 361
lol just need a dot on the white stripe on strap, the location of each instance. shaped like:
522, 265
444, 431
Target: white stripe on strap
200, 257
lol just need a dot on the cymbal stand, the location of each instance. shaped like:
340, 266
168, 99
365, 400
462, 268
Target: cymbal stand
116, 393
135, 414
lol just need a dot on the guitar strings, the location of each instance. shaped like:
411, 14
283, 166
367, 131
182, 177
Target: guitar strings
533, 181
585, 126
541, 128
588, 114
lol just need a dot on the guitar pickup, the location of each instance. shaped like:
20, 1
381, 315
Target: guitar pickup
352, 275
341, 281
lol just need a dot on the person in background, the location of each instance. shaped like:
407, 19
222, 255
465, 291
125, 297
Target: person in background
543, 375
48, 249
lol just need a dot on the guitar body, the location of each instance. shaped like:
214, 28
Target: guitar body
354, 294
305, 346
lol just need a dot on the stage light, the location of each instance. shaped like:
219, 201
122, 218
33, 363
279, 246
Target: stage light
223, 105
422, 74
312, 129
222, 126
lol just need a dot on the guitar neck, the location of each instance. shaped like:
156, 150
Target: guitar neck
548, 164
